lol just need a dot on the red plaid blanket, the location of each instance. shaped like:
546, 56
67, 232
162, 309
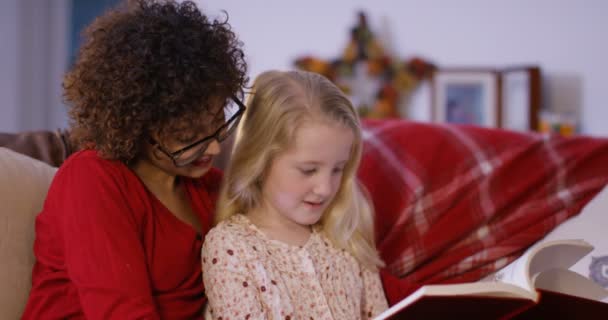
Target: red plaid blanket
455, 203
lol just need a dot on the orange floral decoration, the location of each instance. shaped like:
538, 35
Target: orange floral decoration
394, 79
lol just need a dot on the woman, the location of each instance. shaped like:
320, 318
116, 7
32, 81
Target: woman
121, 230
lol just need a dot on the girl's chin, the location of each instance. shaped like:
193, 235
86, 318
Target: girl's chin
312, 218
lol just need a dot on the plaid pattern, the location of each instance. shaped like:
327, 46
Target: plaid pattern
455, 203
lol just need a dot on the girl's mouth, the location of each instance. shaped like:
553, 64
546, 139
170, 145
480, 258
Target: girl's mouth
314, 205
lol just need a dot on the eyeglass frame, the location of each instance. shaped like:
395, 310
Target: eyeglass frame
176, 154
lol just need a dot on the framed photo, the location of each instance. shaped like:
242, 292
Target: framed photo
521, 98
466, 96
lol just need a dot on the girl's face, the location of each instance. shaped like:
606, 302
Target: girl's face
303, 180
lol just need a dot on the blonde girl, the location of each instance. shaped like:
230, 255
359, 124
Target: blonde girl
294, 233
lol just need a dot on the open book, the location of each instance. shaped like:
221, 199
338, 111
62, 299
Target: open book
540, 271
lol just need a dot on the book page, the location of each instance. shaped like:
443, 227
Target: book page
590, 224
516, 272
570, 282
558, 254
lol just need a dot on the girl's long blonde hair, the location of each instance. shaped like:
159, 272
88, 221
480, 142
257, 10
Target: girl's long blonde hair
281, 101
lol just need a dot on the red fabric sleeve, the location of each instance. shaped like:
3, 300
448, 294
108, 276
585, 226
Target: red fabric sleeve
103, 250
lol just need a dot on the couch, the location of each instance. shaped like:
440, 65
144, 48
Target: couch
24, 182
453, 203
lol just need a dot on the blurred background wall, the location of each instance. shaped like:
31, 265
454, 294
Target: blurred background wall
563, 37
33, 57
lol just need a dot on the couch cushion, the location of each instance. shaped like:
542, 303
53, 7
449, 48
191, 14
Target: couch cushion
24, 182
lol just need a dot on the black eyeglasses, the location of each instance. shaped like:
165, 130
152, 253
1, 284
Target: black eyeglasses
192, 152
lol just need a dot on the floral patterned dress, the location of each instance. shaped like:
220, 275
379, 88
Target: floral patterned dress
249, 276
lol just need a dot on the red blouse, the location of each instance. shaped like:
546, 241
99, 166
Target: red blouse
107, 248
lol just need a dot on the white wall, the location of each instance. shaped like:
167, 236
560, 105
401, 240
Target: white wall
565, 37
33, 57
8, 66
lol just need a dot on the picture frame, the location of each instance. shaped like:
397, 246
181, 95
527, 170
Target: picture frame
521, 98
469, 96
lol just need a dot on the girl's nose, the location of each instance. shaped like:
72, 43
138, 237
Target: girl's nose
323, 185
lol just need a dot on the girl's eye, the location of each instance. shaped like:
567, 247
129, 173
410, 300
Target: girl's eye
308, 172
337, 170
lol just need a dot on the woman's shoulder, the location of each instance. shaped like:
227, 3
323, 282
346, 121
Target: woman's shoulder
91, 161
87, 170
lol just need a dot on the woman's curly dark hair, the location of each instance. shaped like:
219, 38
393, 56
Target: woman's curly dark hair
144, 66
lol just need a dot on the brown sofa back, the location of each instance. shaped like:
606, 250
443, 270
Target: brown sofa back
51, 147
